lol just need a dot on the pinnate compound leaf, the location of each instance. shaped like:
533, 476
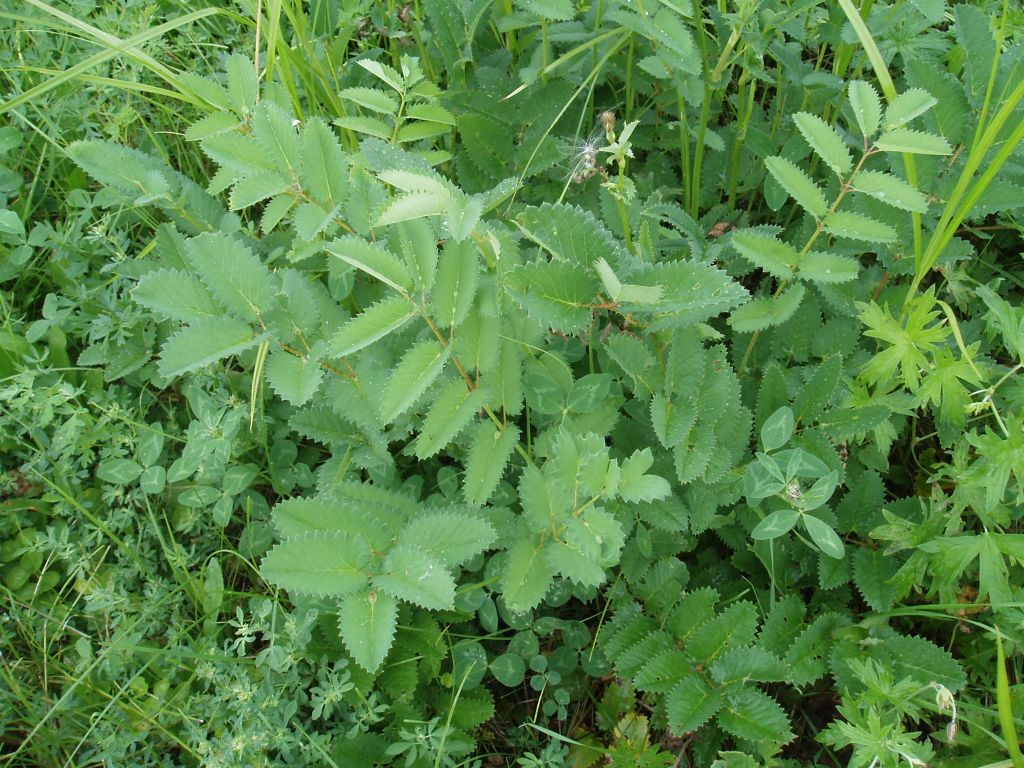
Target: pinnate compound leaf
856, 226
296, 379
371, 325
891, 190
421, 365
319, 563
205, 342
766, 312
825, 141
454, 408
798, 185
907, 106
449, 537
913, 142
367, 620
489, 452
177, 295
412, 575
527, 576
691, 704
867, 107
371, 259
755, 716
828, 268
233, 273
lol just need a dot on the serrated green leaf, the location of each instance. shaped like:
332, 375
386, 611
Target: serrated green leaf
208, 125
856, 226
748, 664
374, 323
371, 126
672, 32
243, 87
489, 452
763, 313
555, 293
823, 535
907, 106
817, 393
205, 342
320, 564
372, 99
295, 379
848, 423
891, 190
872, 570
691, 293
455, 284
573, 562
238, 153
825, 141
798, 185
416, 131
691, 704
827, 268
256, 188
913, 142
693, 455
455, 407
384, 73
417, 370
754, 716
527, 576
129, 171
432, 113
663, 672
416, 181
867, 107
372, 259
272, 128
367, 620
323, 167
177, 295
569, 233
412, 575
413, 205
233, 273
416, 243
767, 252
550, 10
449, 537
776, 524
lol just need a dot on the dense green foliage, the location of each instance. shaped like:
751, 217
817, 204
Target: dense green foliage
511, 382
